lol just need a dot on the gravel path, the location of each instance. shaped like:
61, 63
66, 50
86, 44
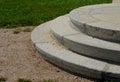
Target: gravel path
19, 60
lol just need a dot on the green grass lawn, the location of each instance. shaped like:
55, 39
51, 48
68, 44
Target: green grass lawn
34, 12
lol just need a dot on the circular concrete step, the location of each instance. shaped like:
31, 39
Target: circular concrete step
57, 54
84, 44
101, 21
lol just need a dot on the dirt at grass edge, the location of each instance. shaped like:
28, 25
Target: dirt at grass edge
19, 60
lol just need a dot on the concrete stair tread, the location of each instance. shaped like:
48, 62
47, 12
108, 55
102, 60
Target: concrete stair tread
56, 53
101, 21
81, 43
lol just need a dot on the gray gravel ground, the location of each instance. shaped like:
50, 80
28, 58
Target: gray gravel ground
19, 60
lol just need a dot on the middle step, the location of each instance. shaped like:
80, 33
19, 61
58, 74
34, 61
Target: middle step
75, 40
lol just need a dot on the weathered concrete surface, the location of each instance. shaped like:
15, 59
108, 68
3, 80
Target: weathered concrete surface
67, 31
81, 43
55, 53
35, 34
101, 21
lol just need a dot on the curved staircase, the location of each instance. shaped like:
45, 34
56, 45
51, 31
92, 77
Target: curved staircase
86, 41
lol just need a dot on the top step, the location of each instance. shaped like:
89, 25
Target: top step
101, 21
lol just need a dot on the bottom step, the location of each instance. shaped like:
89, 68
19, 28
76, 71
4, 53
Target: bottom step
57, 54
